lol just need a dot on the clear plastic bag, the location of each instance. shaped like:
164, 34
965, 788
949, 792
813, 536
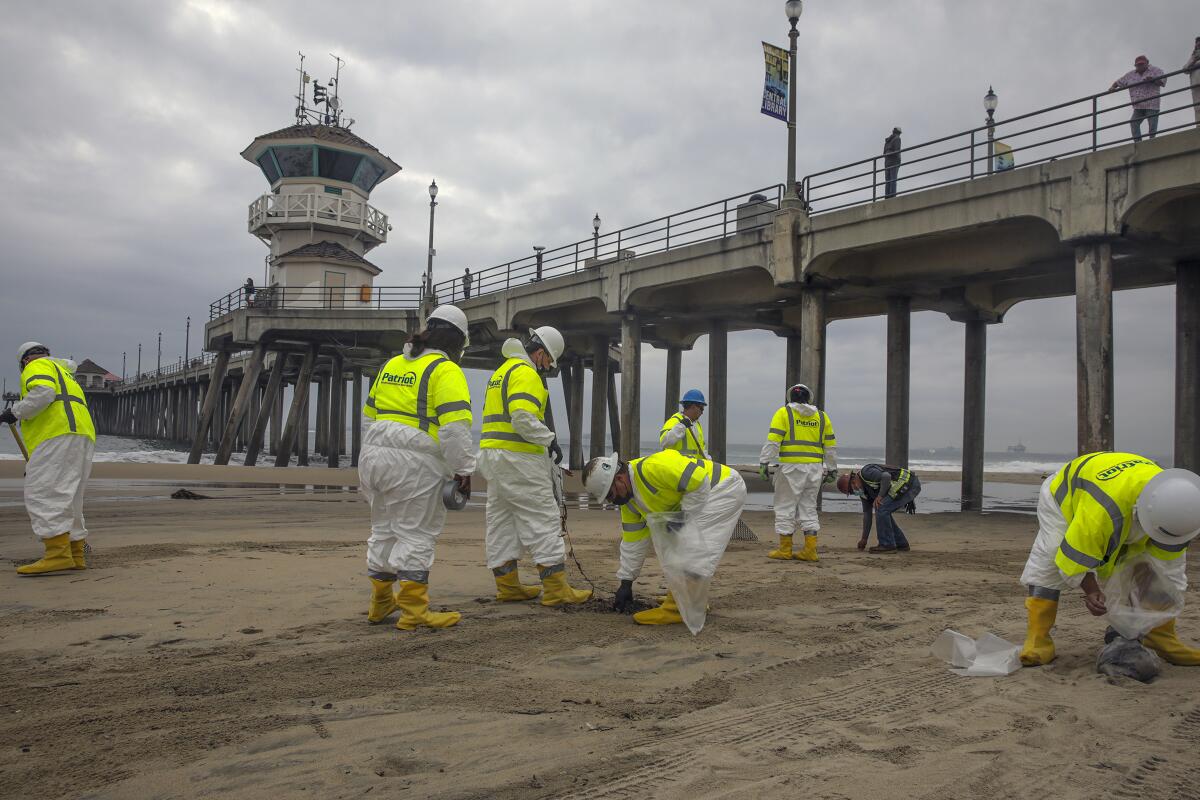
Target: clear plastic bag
685, 558
1140, 596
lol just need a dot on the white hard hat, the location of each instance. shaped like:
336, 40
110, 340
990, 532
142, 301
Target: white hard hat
1168, 509
454, 315
25, 348
599, 474
552, 340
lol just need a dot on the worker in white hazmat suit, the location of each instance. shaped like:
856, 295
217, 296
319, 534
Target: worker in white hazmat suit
802, 442
59, 434
516, 456
417, 437
709, 494
1095, 513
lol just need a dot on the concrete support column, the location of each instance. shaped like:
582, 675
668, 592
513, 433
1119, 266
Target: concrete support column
322, 442
215, 380
241, 404
812, 339
974, 397
600, 375
575, 413
265, 411
671, 394
276, 427
899, 343
337, 399
614, 413
296, 414
631, 386
718, 390
1093, 343
1187, 365
302, 437
793, 361
356, 417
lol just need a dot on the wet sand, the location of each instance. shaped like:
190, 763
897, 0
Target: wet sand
219, 648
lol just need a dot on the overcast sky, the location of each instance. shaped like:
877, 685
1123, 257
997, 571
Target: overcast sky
125, 199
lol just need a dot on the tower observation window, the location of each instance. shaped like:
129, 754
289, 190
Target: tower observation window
368, 175
268, 167
337, 165
296, 162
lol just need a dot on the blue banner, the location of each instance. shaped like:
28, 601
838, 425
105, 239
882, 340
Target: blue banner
775, 89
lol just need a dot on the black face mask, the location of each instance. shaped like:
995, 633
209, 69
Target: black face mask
623, 500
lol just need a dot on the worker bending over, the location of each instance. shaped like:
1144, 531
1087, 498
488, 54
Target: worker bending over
802, 442
517, 454
884, 491
418, 436
682, 430
1095, 512
59, 435
710, 496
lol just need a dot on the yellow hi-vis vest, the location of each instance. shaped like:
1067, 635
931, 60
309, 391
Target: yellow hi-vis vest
802, 440
1097, 493
659, 483
68, 414
692, 443
516, 386
425, 393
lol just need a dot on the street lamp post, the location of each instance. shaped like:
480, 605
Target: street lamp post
596, 236
159, 370
187, 335
990, 101
139, 372
538, 249
122, 366
793, 9
433, 190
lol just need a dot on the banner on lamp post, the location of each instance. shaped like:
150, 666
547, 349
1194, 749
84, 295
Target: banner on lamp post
775, 87
1004, 156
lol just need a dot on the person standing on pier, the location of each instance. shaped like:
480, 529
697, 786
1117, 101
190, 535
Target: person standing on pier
682, 430
418, 436
802, 442
61, 439
516, 456
466, 281
1093, 515
1193, 67
891, 162
1143, 82
884, 491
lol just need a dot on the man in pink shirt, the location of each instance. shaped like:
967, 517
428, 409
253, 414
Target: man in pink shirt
1143, 82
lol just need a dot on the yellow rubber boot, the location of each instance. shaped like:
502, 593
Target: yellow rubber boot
383, 602
809, 553
1164, 641
509, 588
1039, 647
413, 599
57, 557
784, 553
555, 589
77, 554
666, 614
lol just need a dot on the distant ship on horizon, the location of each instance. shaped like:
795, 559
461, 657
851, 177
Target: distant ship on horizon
1016, 448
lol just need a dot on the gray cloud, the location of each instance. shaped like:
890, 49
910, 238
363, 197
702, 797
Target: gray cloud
125, 199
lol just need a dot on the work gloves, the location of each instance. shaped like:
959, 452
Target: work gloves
555, 451
910, 507
623, 600
7, 417
830, 477
464, 485
764, 471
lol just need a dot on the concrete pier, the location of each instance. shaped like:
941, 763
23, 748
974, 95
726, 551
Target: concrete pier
792, 369
631, 386
575, 412
718, 391
216, 382
1093, 343
899, 379
600, 380
673, 390
812, 339
1187, 365
337, 419
974, 414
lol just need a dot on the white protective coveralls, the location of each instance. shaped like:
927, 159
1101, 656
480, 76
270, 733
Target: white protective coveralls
1041, 570
797, 486
714, 511
58, 470
521, 508
401, 472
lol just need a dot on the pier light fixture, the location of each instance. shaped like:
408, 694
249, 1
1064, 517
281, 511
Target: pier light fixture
596, 235
793, 9
990, 101
433, 189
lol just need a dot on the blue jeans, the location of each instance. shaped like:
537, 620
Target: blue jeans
887, 529
1135, 122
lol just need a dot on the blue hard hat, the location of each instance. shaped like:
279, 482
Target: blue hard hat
693, 396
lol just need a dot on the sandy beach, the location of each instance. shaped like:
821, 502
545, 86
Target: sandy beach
219, 648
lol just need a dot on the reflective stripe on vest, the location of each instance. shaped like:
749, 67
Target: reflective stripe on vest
61, 417
692, 443
898, 485
498, 431
801, 451
397, 399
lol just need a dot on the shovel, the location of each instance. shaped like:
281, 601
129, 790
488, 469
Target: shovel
16, 433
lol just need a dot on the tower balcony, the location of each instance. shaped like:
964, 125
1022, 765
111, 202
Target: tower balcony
273, 212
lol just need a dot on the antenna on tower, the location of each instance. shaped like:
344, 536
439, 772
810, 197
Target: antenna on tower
301, 108
321, 95
334, 104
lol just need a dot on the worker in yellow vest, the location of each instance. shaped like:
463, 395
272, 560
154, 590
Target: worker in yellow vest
517, 453
59, 435
802, 442
682, 430
417, 438
1094, 513
710, 496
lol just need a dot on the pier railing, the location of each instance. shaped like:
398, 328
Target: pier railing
325, 297
199, 361
312, 207
1079, 126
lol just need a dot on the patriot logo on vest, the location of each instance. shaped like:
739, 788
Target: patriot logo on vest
406, 379
1117, 469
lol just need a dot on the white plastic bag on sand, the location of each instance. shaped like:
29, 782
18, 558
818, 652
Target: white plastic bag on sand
684, 556
989, 656
1140, 596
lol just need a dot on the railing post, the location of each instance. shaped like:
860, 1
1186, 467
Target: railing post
618, 255
972, 155
508, 275
874, 179
668, 247
725, 218
577, 256
1095, 123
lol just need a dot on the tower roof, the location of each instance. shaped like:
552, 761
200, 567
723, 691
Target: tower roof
327, 134
89, 367
328, 251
